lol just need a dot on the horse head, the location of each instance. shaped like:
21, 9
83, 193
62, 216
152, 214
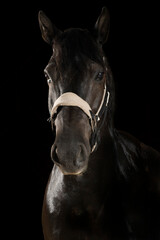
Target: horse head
79, 84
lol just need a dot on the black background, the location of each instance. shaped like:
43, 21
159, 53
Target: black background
133, 53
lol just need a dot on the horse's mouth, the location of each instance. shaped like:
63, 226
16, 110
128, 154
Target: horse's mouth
69, 173
78, 173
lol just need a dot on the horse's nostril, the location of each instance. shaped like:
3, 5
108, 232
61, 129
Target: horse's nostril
54, 155
56, 152
80, 155
79, 151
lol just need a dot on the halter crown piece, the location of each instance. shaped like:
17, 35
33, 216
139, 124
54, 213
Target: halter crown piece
73, 100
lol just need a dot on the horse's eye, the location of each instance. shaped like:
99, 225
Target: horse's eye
99, 76
49, 80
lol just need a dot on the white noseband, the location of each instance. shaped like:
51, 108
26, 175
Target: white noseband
72, 99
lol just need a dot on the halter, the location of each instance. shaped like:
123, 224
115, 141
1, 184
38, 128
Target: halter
73, 100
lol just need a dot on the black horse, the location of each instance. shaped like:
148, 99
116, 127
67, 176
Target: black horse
105, 184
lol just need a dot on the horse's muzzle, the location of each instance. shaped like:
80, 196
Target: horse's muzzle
72, 159
71, 148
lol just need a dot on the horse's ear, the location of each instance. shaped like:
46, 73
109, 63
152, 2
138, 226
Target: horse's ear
102, 26
48, 30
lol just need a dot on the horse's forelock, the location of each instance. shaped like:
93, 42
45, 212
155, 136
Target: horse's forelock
74, 44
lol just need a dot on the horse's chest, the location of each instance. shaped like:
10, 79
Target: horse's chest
75, 212
82, 219
71, 211
89, 214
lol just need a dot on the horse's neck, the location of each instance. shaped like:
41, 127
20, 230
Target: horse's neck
102, 161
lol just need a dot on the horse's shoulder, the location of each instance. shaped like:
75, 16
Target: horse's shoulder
146, 154
129, 143
152, 159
